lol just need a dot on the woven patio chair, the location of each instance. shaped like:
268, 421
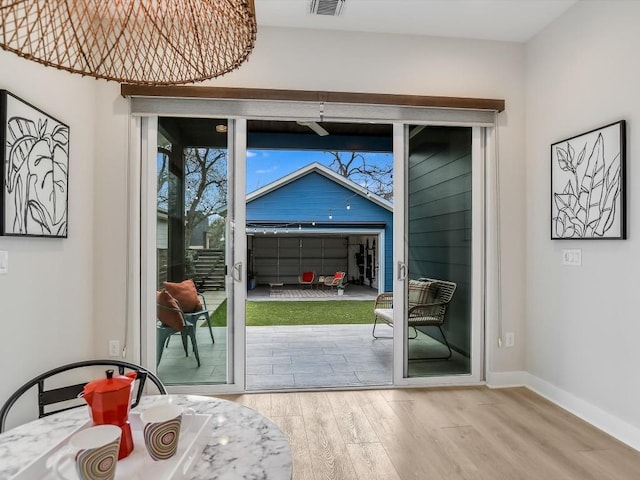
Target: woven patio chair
335, 280
428, 302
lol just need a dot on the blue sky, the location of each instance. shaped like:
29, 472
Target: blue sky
266, 166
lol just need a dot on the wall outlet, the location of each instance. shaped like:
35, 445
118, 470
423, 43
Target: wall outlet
572, 257
510, 339
114, 348
4, 262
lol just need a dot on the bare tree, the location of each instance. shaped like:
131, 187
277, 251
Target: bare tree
375, 176
205, 184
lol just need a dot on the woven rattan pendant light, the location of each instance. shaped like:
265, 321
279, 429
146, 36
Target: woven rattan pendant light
147, 42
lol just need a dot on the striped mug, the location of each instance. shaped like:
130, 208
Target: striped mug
93, 452
162, 425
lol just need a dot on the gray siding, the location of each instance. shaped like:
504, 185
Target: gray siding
439, 199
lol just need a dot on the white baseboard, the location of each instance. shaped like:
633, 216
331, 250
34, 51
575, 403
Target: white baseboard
506, 379
588, 412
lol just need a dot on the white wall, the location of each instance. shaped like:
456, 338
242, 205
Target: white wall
582, 322
110, 222
46, 299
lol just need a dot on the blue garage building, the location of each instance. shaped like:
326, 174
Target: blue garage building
316, 220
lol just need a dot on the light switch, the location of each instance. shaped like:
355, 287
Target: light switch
4, 262
572, 257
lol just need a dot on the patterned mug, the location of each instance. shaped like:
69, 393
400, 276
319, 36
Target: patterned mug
94, 453
162, 425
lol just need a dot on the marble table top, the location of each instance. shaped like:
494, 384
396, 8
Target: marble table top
243, 444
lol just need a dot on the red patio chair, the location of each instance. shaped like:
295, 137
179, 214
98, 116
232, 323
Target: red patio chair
307, 278
335, 280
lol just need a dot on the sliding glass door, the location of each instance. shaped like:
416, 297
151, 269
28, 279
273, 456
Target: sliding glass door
191, 180
440, 267
195, 235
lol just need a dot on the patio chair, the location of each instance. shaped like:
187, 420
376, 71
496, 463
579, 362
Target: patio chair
171, 320
193, 317
428, 302
307, 278
191, 302
335, 280
57, 398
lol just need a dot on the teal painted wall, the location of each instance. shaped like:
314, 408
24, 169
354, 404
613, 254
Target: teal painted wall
439, 229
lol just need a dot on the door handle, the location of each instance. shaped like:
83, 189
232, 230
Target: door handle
237, 272
402, 271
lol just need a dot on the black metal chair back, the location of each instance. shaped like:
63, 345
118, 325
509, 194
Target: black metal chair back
54, 396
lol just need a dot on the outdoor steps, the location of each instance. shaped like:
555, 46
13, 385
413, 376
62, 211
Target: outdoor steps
209, 270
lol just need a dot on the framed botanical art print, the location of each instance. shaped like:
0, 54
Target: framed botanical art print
588, 185
35, 170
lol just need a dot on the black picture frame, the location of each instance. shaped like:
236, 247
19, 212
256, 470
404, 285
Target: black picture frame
35, 170
588, 185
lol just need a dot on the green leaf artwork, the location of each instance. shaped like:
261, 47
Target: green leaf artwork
587, 177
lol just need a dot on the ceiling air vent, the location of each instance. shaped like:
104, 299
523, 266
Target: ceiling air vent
326, 7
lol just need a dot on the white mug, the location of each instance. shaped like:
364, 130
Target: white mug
94, 453
162, 425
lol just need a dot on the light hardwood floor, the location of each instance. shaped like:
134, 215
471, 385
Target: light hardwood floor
470, 433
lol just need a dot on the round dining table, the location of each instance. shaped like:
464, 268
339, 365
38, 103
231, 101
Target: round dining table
240, 443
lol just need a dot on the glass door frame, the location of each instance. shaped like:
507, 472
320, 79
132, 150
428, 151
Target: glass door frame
237, 258
146, 129
142, 225
400, 261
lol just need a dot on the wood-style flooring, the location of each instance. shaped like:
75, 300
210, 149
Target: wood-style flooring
473, 433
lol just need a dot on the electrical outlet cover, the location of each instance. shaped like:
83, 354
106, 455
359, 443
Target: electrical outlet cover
4, 262
572, 256
114, 348
510, 339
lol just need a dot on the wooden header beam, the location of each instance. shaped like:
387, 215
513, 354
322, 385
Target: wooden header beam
127, 90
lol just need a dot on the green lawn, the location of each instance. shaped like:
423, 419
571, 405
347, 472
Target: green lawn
301, 313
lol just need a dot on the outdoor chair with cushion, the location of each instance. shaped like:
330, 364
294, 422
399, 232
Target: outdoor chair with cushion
427, 304
335, 280
171, 320
191, 302
307, 278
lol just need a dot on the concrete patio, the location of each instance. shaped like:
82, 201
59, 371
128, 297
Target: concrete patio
296, 292
303, 357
